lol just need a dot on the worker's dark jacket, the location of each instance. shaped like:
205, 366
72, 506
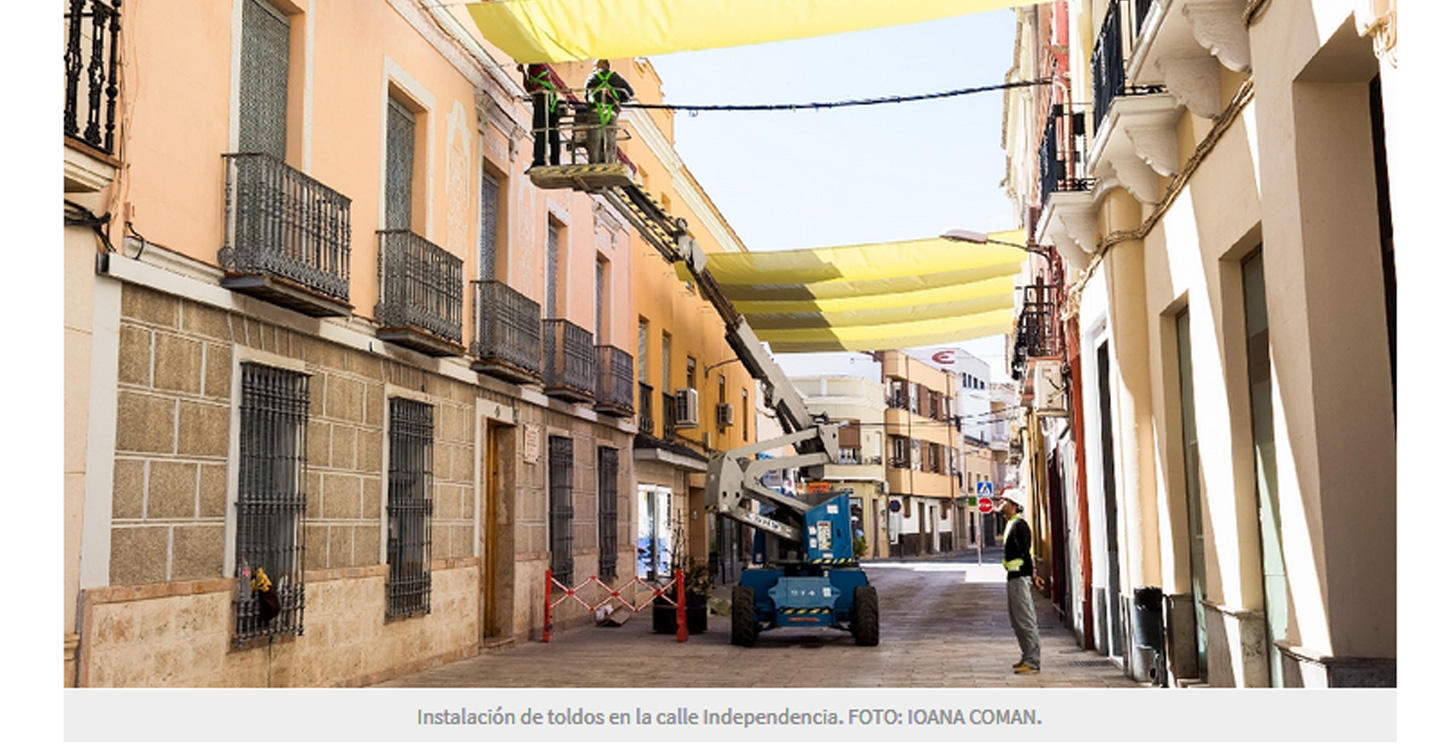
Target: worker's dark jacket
1017, 549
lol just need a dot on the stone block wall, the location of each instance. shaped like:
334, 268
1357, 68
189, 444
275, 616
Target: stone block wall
171, 439
174, 635
166, 619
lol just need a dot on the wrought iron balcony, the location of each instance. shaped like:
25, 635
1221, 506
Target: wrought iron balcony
287, 236
647, 409
1038, 332
1062, 157
92, 32
569, 361
422, 294
507, 333
615, 382
671, 428
1113, 47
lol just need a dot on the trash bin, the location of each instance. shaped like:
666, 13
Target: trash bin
1149, 617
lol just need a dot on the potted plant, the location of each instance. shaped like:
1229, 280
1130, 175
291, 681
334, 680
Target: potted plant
697, 601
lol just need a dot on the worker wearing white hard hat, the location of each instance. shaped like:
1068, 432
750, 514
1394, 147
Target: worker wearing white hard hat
1020, 568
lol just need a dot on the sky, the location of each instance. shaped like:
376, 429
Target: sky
816, 178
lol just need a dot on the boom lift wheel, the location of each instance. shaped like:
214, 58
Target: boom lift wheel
743, 627
867, 616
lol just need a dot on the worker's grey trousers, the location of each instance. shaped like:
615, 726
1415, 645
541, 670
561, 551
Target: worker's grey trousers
1022, 619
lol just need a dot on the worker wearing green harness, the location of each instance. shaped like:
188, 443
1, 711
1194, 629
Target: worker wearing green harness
545, 119
1019, 569
606, 90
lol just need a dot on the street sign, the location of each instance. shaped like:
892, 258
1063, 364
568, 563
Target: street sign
894, 506
985, 489
985, 505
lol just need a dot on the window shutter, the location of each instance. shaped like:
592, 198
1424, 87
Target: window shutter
399, 165
264, 77
489, 224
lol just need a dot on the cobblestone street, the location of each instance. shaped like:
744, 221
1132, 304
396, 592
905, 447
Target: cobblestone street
943, 623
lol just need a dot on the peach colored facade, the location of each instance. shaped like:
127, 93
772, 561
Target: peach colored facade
158, 339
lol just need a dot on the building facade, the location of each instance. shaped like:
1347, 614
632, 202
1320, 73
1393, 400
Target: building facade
1208, 346
343, 385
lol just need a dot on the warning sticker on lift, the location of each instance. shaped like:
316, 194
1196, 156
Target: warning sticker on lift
824, 535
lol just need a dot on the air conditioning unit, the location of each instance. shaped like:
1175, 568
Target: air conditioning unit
687, 408
725, 414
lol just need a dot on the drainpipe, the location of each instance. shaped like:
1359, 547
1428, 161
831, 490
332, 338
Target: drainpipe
1082, 492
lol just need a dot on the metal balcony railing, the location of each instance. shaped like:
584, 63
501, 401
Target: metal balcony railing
671, 429
1062, 153
507, 332
421, 285
569, 360
647, 409
1038, 331
280, 222
615, 381
1113, 47
92, 33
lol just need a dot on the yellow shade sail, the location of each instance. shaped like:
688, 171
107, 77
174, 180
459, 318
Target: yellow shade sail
877, 296
890, 336
535, 31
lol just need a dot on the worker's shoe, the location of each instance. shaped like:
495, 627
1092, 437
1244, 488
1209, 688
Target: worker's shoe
1017, 665
1024, 668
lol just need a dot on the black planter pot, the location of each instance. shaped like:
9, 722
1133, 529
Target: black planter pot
662, 615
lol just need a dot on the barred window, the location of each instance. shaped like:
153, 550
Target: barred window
609, 462
264, 75
409, 506
562, 509
270, 503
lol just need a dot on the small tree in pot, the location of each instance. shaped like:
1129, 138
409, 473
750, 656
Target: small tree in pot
697, 600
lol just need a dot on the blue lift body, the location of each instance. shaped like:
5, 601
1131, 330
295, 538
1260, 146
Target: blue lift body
820, 590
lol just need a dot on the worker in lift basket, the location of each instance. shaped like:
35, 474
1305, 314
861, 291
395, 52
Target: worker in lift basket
605, 90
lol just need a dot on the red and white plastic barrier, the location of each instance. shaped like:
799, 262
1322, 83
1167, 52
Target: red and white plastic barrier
592, 588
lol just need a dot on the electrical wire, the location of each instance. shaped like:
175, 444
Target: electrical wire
898, 99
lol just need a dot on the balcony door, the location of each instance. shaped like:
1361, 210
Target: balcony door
264, 78
399, 165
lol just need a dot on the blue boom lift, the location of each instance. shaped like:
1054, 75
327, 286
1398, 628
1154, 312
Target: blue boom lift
815, 581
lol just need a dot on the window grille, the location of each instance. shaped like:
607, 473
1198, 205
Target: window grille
562, 509
410, 504
264, 78
489, 231
270, 503
399, 165
609, 511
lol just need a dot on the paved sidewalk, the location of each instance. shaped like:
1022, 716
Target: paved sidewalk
943, 623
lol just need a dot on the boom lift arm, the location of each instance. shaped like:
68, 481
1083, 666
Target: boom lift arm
733, 477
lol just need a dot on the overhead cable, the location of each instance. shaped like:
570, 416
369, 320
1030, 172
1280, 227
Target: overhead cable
843, 103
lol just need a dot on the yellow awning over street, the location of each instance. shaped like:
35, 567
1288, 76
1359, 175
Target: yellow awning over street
891, 336
534, 31
877, 296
